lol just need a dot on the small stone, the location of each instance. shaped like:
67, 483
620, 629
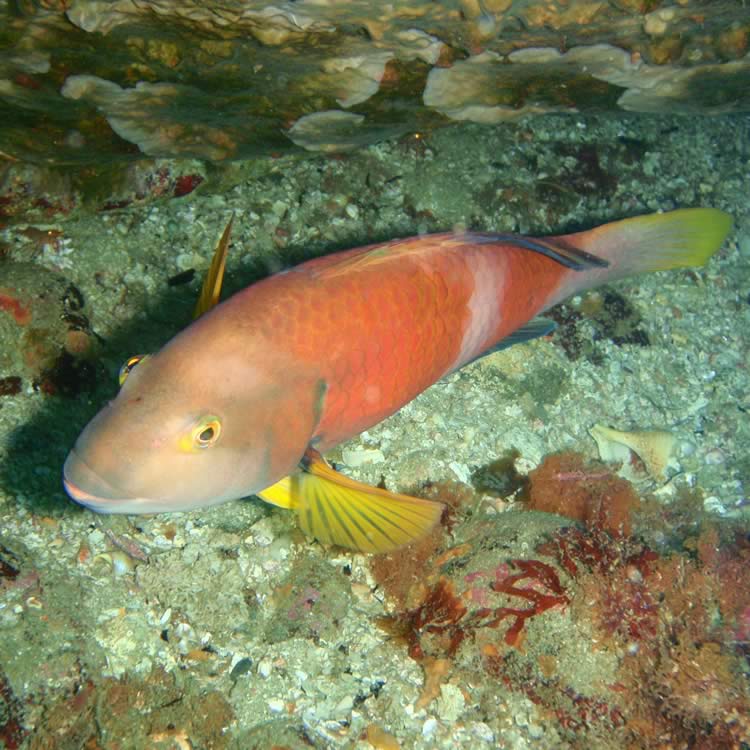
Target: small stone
685, 448
95, 537
361, 456
656, 23
276, 705
714, 457
265, 667
712, 504
77, 342
535, 731
380, 739
451, 703
262, 533
461, 471
429, 727
482, 731
184, 261
344, 706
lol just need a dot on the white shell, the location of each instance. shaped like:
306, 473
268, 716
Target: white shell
654, 447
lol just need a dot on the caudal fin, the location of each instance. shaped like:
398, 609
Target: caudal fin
657, 242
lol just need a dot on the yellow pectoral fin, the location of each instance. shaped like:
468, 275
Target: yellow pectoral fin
211, 289
279, 494
335, 509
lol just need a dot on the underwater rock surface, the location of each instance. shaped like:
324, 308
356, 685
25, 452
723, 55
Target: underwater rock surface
621, 620
86, 83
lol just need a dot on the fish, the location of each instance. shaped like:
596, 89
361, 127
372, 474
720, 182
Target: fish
247, 398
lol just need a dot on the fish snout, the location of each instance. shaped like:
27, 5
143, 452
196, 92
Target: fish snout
85, 486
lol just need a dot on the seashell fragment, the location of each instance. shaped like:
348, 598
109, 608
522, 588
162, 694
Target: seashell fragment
653, 447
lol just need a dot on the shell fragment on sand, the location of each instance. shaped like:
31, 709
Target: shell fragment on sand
654, 447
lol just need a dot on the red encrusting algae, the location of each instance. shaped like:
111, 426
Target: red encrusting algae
10, 302
673, 624
566, 484
531, 570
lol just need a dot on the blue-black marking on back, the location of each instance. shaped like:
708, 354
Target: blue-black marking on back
570, 257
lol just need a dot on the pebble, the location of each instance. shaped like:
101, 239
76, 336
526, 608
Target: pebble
685, 448
96, 538
714, 457
451, 703
262, 533
712, 504
361, 456
265, 667
461, 471
535, 731
482, 731
345, 705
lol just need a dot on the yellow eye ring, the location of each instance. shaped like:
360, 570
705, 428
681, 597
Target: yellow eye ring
128, 365
206, 432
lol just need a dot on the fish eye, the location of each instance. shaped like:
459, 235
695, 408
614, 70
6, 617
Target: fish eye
128, 365
207, 432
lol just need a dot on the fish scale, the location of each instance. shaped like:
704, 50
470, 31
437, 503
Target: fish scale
404, 330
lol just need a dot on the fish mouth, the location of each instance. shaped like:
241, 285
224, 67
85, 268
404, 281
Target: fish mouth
99, 495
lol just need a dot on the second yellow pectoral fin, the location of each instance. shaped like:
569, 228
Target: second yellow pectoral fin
279, 494
335, 509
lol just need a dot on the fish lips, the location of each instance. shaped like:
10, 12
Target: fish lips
98, 495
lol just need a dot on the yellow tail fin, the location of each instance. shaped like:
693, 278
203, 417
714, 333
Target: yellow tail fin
658, 242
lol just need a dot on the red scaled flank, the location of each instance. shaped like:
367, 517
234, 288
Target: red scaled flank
382, 328
241, 401
382, 323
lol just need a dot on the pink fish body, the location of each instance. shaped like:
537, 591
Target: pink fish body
312, 356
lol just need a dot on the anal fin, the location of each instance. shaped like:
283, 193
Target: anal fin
534, 329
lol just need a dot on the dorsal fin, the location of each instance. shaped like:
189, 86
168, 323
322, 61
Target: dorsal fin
328, 266
570, 257
334, 265
211, 289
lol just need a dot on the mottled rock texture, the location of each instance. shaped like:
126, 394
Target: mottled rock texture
88, 82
